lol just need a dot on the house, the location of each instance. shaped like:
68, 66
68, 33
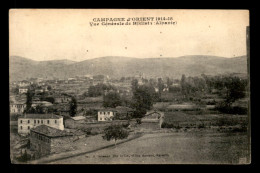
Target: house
23, 83
62, 99
45, 140
29, 121
23, 90
74, 122
17, 108
41, 89
106, 114
41, 83
152, 120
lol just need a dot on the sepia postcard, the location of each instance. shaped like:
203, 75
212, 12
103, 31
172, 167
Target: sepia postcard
129, 86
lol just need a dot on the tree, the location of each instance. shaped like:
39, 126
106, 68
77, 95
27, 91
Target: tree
183, 85
15, 90
143, 97
160, 85
112, 99
134, 84
115, 132
73, 107
39, 109
29, 96
235, 89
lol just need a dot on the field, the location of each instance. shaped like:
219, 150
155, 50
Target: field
191, 119
202, 147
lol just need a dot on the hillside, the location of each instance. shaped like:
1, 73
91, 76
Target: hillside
22, 68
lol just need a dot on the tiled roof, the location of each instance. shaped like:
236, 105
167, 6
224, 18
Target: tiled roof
17, 103
117, 109
42, 116
153, 115
107, 109
78, 118
50, 131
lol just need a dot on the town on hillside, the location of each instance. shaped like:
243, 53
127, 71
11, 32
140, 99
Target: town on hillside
52, 118
129, 86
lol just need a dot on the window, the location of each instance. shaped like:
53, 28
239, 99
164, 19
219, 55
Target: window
100, 118
28, 127
34, 121
21, 121
28, 121
42, 121
55, 121
108, 113
21, 127
38, 121
48, 121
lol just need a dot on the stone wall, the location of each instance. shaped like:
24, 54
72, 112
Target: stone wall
61, 144
41, 146
150, 125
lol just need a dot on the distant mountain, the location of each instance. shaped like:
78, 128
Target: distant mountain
22, 68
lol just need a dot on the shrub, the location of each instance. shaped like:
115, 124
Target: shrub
24, 157
170, 125
225, 108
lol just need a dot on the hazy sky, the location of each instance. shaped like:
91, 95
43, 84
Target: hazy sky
67, 34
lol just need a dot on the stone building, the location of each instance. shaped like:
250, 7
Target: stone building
152, 120
29, 121
45, 140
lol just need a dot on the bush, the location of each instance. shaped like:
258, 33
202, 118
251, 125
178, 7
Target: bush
24, 157
88, 131
170, 125
225, 108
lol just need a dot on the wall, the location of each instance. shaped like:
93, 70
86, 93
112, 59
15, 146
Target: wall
41, 146
150, 125
95, 127
61, 144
